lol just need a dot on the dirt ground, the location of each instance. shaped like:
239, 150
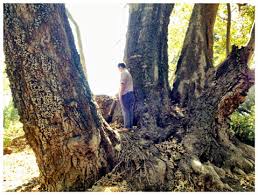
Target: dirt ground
21, 173
19, 169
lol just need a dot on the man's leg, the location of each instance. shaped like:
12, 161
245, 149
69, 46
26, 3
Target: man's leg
125, 108
123, 113
127, 119
131, 109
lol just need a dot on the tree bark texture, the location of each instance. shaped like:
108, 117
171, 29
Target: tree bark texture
196, 55
207, 135
146, 57
73, 144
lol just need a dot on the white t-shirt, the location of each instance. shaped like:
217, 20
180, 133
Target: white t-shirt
127, 80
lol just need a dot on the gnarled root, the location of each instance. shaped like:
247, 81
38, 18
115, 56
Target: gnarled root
168, 166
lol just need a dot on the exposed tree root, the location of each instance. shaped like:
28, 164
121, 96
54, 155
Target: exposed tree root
166, 166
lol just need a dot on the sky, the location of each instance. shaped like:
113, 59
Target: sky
103, 33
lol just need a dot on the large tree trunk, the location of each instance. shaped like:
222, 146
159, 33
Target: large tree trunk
73, 145
146, 57
196, 56
207, 139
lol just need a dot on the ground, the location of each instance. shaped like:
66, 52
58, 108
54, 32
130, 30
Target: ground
20, 172
20, 169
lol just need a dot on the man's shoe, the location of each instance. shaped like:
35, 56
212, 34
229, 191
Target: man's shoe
123, 130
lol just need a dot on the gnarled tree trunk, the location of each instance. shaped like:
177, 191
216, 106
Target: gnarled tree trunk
73, 145
207, 139
196, 55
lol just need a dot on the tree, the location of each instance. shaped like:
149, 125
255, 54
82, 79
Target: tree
146, 55
228, 29
181, 12
203, 130
73, 145
207, 136
196, 55
241, 24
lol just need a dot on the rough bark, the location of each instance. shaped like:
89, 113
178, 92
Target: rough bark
73, 144
228, 29
196, 55
210, 151
207, 138
146, 57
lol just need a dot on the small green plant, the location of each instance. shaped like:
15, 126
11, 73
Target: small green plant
10, 115
243, 126
243, 120
12, 126
7, 141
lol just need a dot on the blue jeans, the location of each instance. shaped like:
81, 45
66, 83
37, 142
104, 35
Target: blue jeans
127, 104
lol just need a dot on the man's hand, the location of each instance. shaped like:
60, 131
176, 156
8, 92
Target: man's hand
116, 96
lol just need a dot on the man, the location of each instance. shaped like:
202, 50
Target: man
126, 96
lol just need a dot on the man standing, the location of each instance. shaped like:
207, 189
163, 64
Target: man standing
126, 96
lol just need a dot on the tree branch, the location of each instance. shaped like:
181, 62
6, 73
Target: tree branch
239, 78
226, 89
228, 29
251, 44
229, 84
78, 34
196, 54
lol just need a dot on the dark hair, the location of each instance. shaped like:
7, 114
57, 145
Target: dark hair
122, 65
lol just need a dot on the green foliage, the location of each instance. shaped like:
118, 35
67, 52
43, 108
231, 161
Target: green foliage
243, 120
243, 126
10, 115
179, 21
6, 83
7, 141
241, 24
12, 126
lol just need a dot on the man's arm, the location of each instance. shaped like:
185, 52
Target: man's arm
122, 89
122, 84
